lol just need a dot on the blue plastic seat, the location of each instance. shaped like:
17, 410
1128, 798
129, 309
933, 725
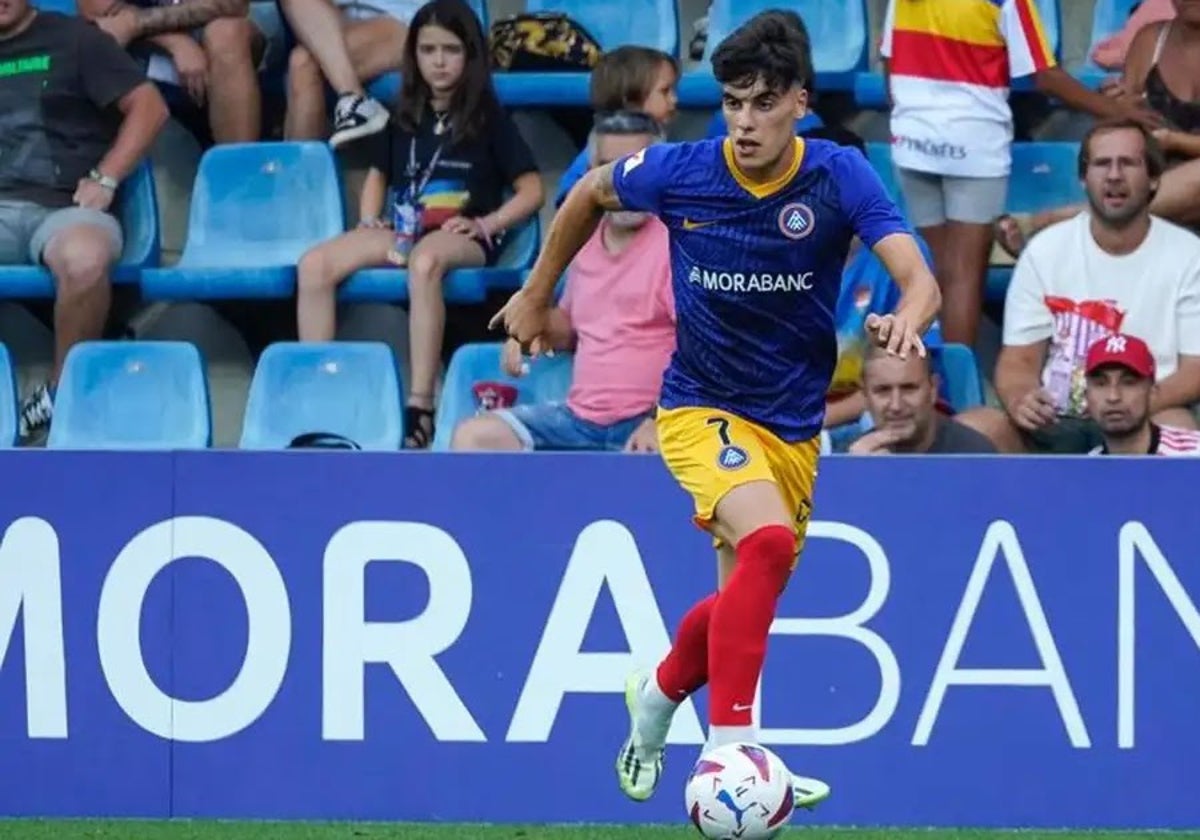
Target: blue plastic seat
137, 208
8, 400
613, 23
132, 395
880, 155
548, 380
1108, 18
256, 208
386, 88
838, 28
463, 285
963, 381
343, 387
66, 7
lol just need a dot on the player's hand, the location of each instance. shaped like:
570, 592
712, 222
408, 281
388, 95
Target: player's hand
1034, 410
876, 442
526, 319
644, 437
895, 334
512, 361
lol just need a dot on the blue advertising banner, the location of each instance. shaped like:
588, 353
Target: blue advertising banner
972, 641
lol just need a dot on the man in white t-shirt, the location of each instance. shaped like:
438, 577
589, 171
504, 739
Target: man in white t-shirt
1114, 268
1120, 389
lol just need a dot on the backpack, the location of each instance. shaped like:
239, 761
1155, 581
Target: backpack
542, 41
322, 440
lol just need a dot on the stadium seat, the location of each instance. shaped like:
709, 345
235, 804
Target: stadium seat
8, 400
548, 380
345, 388
880, 155
839, 32
613, 23
132, 395
463, 285
66, 7
386, 88
868, 86
256, 208
1108, 18
137, 208
963, 381
1044, 175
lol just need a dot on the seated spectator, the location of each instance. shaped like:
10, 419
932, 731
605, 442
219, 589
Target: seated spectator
79, 116
1114, 268
901, 396
618, 314
215, 49
630, 78
344, 43
450, 155
1120, 390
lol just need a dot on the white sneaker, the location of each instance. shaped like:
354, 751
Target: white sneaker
640, 762
355, 117
809, 793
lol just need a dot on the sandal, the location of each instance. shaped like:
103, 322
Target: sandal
418, 423
1012, 234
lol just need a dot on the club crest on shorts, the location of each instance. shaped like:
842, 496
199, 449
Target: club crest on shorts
796, 220
732, 457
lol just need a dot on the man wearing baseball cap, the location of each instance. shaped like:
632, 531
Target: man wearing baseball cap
1119, 373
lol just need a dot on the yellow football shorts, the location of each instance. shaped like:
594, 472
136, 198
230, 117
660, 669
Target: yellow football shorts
710, 452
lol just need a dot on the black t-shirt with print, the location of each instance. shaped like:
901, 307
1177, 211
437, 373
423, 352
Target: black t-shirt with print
468, 177
60, 80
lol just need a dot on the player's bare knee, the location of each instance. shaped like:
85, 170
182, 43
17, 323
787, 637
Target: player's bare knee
483, 433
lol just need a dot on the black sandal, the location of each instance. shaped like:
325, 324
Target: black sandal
418, 424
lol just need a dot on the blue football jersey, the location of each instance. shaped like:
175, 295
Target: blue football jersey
756, 272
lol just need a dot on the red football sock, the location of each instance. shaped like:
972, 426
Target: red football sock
685, 669
741, 621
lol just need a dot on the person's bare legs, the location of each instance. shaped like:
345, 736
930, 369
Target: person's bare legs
323, 268
318, 26
961, 269
234, 97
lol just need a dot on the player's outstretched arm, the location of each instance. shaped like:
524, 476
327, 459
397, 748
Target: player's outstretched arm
526, 315
920, 297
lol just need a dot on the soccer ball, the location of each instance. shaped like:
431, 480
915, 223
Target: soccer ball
740, 792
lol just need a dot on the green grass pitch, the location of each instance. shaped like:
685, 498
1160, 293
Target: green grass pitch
212, 830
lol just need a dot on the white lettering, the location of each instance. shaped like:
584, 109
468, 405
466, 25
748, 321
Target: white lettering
726, 281
31, 587
1001, 540
604, 553
407, 647
1135, 540
268, 639
849, 626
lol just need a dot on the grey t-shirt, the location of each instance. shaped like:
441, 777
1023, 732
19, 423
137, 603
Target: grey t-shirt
955, 438
59, 82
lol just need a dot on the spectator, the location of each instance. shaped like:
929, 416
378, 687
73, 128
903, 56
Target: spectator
618, 314
1120, 390
629, 78
345, 43
902, 396
949, 66
1112, 269
215, 46
450, 155
79, 117
1110, 53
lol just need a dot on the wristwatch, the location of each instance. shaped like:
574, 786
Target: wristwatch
103, 180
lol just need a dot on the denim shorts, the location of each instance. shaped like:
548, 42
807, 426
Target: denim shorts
553, 426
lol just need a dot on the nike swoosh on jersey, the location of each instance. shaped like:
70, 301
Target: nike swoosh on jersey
688, 224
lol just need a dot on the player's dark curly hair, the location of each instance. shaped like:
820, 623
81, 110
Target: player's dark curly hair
773, 46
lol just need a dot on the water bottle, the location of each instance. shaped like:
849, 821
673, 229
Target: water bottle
405, 222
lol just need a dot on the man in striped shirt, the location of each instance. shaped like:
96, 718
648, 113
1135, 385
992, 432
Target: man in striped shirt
1120, 383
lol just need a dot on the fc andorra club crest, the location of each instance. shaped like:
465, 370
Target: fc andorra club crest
733, 457
796, 221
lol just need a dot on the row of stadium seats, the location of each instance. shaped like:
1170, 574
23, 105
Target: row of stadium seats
154, 394
257, 207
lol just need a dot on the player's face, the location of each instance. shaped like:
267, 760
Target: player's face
1118, 400
610, 147
901, 395
762, 125
1116, 179
441, 58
